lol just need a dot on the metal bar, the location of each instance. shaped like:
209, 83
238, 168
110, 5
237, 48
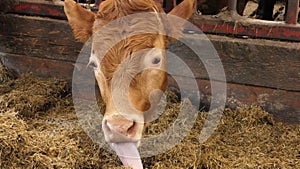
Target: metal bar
174, 3
38, 9
247, 28
41, 9
292, 12
232, 5
196, 6
97, 2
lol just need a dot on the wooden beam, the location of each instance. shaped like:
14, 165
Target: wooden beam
38, 66
38, 37
254, 62
283, 105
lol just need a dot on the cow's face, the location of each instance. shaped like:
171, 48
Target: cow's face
131, 80
132, 74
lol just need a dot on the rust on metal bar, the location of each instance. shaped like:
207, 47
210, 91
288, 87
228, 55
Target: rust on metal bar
39, 9
233, 25
292, 12
248, 28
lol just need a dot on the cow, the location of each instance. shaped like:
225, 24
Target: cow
122, 129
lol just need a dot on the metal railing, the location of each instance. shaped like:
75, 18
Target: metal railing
233, 25
291, 13
239, 26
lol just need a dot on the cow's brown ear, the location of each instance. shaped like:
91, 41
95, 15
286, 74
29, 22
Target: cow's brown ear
80, 19
184, 10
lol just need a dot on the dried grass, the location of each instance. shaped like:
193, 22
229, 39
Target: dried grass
39, 129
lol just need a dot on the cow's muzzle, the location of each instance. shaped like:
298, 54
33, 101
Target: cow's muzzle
118, 128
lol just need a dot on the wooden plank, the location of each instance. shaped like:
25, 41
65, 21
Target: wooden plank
254, 62
283, 105
38, 37
38, 66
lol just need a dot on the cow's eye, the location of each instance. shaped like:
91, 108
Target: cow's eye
155, 60
92, 64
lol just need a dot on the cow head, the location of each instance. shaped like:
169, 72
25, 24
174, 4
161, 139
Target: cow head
132, 73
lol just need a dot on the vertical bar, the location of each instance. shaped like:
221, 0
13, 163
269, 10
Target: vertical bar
232, 5
291, 16
168, 5
196, 6
174, 3
97, 3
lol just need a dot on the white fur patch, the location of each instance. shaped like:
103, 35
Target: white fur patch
151, 55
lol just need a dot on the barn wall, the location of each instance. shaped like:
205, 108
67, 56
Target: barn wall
261, 72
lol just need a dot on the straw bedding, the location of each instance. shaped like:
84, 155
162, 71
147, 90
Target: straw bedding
39, 129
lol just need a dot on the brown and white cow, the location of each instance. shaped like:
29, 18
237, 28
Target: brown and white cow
122, 128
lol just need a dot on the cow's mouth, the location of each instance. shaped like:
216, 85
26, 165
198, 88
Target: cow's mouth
128, 154
124, 135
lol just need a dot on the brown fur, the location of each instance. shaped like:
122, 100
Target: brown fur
76, 14
113, 9
110, 10
118, 62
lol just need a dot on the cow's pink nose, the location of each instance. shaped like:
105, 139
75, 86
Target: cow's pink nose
118, 126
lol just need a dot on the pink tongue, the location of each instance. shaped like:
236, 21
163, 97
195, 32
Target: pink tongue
128, 154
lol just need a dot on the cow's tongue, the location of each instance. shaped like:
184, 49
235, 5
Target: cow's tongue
128, 154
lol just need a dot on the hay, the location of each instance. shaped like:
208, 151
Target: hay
5, 74
39, 129
249, 138
21, 147
30, 96
245, 138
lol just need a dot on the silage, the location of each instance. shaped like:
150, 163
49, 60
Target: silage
39, 129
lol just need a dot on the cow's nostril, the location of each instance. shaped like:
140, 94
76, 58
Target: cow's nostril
121, 126
132, 129
107, 125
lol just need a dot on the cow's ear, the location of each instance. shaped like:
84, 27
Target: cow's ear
80, 19
184, 10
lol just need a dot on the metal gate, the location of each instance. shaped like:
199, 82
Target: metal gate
234, 24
